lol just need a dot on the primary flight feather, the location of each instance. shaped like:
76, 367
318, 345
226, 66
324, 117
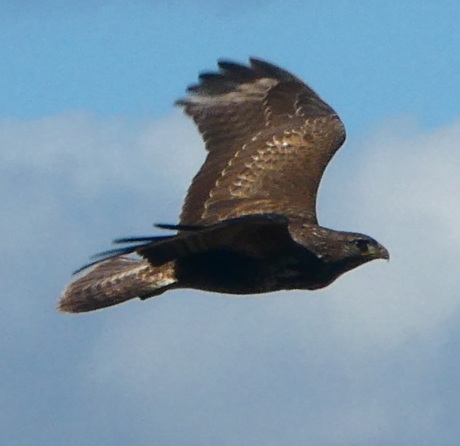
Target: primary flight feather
248, 224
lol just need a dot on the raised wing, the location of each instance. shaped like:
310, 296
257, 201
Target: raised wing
269, 138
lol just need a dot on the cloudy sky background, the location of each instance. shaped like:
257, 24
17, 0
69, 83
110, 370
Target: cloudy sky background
91, 149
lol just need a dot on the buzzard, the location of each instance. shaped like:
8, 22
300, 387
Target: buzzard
248, 224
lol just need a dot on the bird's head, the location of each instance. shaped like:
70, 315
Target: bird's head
346, 250
364, 247
350, 249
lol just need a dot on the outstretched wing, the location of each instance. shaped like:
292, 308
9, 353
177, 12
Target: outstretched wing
257, 236
269, 138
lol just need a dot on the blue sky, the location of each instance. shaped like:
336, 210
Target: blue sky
91, 149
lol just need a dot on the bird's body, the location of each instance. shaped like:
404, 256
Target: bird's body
248, 224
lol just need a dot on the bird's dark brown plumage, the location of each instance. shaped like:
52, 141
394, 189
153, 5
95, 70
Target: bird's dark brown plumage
248, 224
269, 138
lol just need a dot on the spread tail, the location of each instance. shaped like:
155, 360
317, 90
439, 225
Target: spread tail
115, 281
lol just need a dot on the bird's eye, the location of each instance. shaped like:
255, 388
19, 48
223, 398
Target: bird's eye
362, 245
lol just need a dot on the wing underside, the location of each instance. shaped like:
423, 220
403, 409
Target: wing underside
269, 139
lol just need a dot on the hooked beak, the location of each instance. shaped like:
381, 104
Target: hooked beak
382, 253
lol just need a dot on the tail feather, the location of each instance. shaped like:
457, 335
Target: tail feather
115, 281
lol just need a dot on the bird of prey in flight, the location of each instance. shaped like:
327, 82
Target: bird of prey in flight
248, 224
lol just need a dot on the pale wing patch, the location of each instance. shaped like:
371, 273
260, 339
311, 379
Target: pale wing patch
247, 92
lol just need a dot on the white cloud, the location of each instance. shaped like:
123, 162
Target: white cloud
359, 363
